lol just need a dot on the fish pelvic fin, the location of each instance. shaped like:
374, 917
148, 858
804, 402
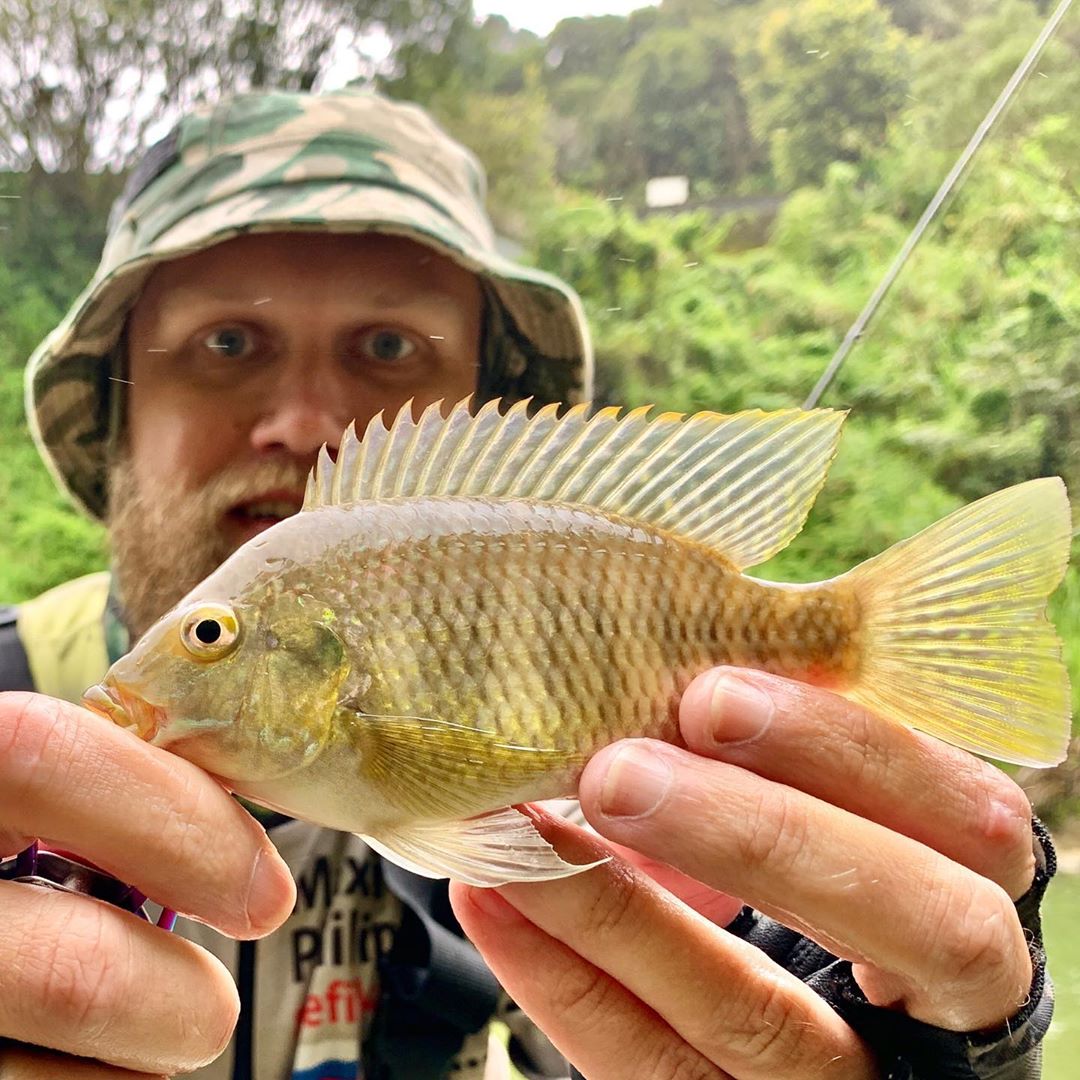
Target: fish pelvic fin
491, 849
955, 637
742, 483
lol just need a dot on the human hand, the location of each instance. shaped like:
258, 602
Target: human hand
80, 977
886, 847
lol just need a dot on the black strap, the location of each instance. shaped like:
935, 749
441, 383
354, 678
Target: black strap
14, 669
435, 987
244, 1056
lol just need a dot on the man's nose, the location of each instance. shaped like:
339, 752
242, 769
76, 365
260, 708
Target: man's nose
306, 409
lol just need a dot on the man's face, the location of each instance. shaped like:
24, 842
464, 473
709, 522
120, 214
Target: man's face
245, 359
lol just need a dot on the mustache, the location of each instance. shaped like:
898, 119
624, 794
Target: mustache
242, 482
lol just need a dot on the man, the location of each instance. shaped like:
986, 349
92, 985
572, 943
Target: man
279, 266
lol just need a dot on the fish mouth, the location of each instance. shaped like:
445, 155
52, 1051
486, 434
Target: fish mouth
125, 710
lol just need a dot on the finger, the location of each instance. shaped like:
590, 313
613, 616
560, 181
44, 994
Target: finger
82, 977
595, 1023
723, 997
717, 907
30, 1063
829, 747
76, 780
934, 938
11, 842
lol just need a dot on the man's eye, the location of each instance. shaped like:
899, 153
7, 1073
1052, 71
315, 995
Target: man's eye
386, 346
230, 341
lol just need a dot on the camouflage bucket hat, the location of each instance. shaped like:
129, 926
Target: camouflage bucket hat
347, 161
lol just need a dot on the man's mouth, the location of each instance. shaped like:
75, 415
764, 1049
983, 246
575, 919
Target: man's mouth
253, 516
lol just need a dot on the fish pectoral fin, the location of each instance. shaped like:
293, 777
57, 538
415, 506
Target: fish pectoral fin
492, 849
424, 764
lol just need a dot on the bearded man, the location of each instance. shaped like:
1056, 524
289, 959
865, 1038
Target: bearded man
280, 266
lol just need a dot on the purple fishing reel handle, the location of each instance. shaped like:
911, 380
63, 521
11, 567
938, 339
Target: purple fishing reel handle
62, 873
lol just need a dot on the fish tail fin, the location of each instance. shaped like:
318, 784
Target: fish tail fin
955, 637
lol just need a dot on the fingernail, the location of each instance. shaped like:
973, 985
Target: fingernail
635, 784
738, 711
271, 885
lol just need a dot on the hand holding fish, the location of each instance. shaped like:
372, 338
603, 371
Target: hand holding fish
83, 985
889, 848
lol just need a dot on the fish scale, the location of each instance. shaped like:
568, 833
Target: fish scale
590, 632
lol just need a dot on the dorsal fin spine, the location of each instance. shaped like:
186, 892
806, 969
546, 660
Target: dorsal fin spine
602, 475
406, 454
633, 508
431, 416
402, 422
451, 467
481, 459
571, 447
510, 454
350, 480
336, 475
370, 448
476, 467
546, 414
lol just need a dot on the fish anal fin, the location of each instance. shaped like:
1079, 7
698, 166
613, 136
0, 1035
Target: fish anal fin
491, 849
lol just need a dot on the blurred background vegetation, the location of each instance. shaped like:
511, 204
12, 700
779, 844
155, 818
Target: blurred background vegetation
812, 134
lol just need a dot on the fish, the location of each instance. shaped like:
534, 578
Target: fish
469, 606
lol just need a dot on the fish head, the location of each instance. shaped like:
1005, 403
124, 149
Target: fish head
245, 694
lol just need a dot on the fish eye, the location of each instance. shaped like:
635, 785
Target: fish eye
210, 631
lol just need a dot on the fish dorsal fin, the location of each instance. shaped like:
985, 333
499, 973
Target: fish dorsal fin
742, 483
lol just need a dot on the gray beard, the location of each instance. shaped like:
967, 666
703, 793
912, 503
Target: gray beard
164, 542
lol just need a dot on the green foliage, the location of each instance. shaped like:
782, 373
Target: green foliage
823, 81
676, 108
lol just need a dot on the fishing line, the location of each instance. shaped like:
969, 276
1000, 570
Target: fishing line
858, 328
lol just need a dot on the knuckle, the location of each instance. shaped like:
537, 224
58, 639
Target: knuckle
1004, 819
587, 994
608, 915
998, 839
84, 974
28, 727
680, 1062
762, 1028
868, 755
191, 837
776, 833
979, 941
